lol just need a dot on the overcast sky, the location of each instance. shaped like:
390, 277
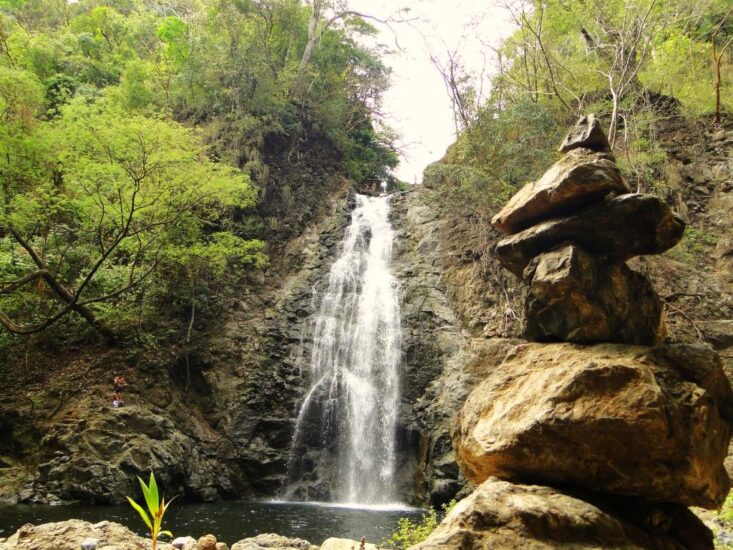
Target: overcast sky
417, 105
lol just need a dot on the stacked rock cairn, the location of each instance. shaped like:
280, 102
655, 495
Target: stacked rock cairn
594, 433
570, 233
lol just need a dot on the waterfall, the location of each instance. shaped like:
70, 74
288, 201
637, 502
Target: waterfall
344, 441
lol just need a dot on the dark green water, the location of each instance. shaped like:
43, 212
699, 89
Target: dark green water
229, 521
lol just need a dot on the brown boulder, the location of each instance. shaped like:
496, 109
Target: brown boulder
617, 229
586, 133
607, 418
579, 178
273, 541
574, 297
503, 515
69, 534
702, 365
207, 542
334, 543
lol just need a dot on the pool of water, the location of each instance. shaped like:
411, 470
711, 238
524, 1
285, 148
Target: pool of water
231, 521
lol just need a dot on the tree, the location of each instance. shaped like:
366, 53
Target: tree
718, 58
464, 90
535, 51
109, 195
110, 205
324, 14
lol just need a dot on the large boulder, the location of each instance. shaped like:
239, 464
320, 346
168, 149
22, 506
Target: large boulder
503, 515
334, 543
273, 541
574, 297
586, 133
97, 453
579, 178
617, 229
609, 418
68, 535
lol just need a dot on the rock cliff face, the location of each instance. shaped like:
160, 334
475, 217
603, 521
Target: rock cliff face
213, 423
218, 422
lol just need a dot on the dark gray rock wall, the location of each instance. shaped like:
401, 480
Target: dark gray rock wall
442, 346
255, 361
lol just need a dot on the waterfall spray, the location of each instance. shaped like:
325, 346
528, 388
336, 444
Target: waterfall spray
354, 364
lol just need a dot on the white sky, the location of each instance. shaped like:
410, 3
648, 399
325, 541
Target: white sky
417, 105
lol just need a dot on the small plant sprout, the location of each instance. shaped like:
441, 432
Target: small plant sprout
156, 509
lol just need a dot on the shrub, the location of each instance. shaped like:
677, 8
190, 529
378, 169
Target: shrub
156, 509
411, 532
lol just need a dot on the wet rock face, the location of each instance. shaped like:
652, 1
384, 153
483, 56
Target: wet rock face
129, 439
504, 515
431, 337
257, 361
608, 418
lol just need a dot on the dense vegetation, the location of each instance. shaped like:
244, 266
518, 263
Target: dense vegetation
633, 62
132, 151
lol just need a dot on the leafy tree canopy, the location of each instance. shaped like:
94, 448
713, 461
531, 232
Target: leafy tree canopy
132, 142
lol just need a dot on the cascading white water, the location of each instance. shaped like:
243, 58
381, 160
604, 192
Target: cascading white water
354, 364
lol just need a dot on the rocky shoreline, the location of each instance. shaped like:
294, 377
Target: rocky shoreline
76, 534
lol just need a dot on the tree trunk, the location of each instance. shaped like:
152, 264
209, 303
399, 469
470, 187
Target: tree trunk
66, 296
613, 128
718, 61
310, 47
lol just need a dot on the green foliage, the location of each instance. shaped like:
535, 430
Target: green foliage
132, 151
108, 199
491, 159
174, 33
21, 97
634, 63
695, 248
571, 56
410, 533
726, 511
371, 154
156, 509
136, 85
725, 518
680, 69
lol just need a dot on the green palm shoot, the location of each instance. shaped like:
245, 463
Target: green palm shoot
153, 518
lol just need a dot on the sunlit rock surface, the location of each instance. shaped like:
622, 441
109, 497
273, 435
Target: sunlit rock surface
68, 535
607, 418
616, 229
501, 515
579, 178
271, 540
586, 133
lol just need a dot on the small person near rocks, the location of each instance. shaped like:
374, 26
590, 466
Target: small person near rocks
119, 387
